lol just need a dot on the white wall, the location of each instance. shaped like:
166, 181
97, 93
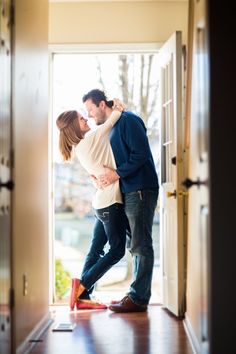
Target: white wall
116, 22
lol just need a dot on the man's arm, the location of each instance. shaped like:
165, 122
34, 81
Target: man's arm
134, 134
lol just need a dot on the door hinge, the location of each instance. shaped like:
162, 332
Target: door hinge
11, 298
12, 15
12, 157
184, 53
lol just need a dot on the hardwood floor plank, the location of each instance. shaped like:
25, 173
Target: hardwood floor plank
105, 332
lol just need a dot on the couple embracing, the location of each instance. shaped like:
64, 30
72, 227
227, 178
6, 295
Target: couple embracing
118, 157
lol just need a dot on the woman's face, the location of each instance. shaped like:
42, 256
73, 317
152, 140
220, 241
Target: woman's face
83, 123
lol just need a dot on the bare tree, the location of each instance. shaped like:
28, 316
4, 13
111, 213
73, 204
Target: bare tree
100, 76
128, 80
133, 79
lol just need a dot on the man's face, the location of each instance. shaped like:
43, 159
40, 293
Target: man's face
97, 113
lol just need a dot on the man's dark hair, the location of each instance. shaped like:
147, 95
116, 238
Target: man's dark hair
96, 96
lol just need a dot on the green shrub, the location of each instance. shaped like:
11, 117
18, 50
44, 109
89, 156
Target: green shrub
62, 280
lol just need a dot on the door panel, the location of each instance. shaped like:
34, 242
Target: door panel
5, 178
171, 192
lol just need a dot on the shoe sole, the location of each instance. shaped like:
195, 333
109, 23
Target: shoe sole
88, 307
123, 310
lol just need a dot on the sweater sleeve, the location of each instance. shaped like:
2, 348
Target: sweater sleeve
110, 122
137, 146
92, 139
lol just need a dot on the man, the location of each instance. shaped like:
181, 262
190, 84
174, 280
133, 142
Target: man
139, 186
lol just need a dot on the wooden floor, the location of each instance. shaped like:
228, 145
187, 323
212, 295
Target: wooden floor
105, 332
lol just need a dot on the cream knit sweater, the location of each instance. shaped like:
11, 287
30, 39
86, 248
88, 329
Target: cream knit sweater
93, 152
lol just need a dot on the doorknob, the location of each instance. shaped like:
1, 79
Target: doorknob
188, 183
171, 194
9, 185
173, 160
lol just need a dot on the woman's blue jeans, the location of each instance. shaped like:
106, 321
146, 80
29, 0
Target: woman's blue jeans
140, 208
110, 226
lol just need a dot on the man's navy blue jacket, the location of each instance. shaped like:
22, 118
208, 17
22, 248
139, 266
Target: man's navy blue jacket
132, 153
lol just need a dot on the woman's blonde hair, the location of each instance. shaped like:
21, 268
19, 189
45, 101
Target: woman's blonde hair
70, 132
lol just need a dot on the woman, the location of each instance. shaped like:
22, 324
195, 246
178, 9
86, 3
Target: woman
94, 151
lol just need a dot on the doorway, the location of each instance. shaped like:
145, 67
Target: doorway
132, 76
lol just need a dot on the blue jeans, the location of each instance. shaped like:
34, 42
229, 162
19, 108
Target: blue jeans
110, 226
140, 207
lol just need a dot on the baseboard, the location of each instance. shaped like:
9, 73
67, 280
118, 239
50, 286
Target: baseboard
191, 336
35, 334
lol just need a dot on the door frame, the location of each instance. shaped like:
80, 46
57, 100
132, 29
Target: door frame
92, 49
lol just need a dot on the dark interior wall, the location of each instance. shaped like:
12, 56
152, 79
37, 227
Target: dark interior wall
223, 177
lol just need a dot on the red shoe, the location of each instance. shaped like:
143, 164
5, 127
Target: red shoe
90, 305
74, 292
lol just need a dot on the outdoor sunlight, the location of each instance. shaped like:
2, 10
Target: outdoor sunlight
133, 79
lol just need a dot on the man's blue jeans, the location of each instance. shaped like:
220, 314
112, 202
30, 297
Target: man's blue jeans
140, 207
110, 226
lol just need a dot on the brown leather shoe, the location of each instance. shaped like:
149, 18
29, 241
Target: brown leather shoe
127, 305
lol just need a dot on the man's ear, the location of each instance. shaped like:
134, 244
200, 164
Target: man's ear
102, 105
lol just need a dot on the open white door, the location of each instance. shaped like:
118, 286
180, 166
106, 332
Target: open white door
171, 191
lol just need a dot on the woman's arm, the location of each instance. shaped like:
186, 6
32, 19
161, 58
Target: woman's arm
118, 107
